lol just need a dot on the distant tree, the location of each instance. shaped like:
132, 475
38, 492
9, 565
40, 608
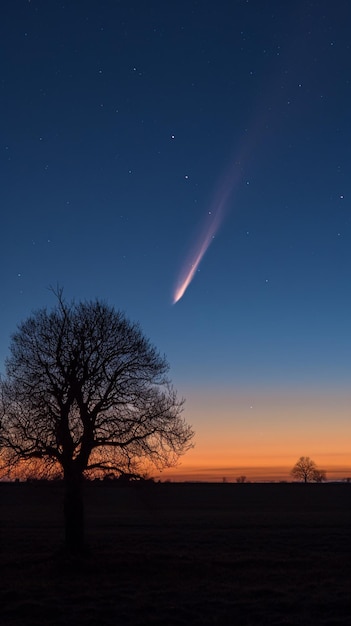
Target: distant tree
241, 479
306, 470
86, 392
319, 476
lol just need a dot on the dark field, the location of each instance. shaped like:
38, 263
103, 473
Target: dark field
172, 554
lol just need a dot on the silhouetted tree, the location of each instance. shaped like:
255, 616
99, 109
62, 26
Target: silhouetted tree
84, 392
241, 479
319, 476
306, 470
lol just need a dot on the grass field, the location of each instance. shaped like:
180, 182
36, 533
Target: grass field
176, 554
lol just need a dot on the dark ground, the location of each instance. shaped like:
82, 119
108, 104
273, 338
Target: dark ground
168, 554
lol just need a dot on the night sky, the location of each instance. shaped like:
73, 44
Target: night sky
144, 139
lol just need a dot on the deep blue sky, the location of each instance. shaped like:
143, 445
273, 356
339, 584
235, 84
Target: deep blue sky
119, 122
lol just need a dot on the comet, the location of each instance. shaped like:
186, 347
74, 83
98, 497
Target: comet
214, 220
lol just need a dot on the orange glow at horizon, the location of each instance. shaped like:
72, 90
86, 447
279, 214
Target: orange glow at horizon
262, 433
254, 473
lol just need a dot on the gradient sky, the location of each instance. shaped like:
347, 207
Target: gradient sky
135, 134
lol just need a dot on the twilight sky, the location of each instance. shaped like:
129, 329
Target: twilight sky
135, 134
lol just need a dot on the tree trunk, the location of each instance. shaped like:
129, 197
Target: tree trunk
74, 514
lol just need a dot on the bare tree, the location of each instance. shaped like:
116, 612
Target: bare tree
306, 470
241, 479
86, 392
319, 476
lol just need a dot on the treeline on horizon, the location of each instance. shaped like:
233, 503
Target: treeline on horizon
125, 481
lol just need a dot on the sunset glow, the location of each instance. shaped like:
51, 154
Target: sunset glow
265, 433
